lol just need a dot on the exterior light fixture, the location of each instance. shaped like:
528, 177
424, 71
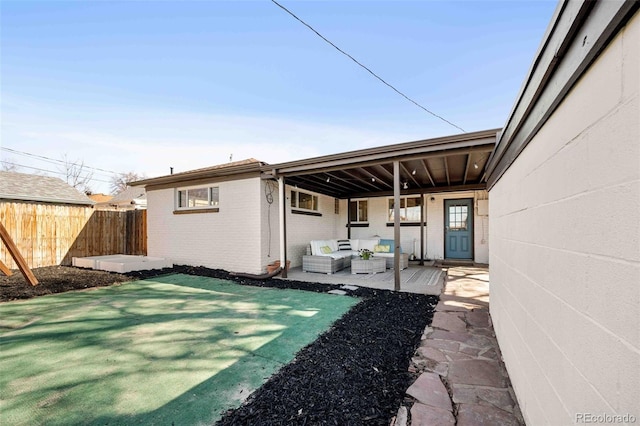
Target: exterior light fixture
373, 179
328, 179
413, 172
406, 185
475, 165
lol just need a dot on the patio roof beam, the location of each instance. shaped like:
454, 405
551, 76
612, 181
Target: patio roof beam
344, 183
386, 172
377, 178
426, 169
311, 185
435, 190
355, 181
317, 181
466, 169
410, 174
364, 182
446, 170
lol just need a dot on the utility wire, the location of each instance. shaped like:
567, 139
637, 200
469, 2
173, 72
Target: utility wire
48, 171
366, 68
49, 160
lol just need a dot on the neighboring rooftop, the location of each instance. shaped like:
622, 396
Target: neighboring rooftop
133, 196
100, 198
45, 189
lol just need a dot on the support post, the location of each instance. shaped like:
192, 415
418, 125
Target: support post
13, 249
282, 195
349, 218
396, 224
422, 206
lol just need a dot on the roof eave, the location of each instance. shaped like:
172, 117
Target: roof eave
184, 177
386, 152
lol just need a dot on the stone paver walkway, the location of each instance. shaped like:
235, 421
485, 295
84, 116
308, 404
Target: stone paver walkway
461, 379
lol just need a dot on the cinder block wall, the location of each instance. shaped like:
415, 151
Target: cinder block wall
565, 250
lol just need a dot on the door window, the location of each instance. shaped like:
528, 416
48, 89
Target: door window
458, 218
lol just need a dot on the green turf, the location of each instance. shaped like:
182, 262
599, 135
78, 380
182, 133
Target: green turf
177, 348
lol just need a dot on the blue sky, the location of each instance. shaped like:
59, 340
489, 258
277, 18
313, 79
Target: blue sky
147, 85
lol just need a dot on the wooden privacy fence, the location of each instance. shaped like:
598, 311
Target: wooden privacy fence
49, 234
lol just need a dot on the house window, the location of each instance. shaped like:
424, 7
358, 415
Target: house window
409, 209
359, 211
201, 197
304, 201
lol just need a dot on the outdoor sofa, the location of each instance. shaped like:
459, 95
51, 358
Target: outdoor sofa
330, 256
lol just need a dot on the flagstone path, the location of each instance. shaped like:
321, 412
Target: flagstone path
461, 377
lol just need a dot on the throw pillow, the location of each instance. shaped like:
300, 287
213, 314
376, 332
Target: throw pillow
325, 249
344, 245
389, 243
381, 248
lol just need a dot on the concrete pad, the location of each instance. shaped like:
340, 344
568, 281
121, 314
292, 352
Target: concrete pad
350, 287
448, 321
476, 372
429, 390
424, 415
478, 415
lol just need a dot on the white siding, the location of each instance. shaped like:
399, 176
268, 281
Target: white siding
230, 239
565, 250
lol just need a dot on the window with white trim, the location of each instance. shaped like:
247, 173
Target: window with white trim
197, 197
359, 211
409, 209
301, 200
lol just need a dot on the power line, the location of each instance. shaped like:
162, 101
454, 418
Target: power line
53, 160
49, 171
366, 68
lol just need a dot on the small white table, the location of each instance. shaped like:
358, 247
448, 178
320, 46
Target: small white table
370, 266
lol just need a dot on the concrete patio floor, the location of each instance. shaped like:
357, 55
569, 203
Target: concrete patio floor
415, 279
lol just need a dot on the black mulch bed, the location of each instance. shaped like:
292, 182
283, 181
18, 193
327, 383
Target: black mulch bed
356, 373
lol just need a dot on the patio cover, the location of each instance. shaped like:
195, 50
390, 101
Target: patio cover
445, 164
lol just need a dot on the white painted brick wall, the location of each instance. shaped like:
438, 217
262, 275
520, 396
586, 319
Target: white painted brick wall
301, 229
565, 250
230, 239
434, 231
270, 246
